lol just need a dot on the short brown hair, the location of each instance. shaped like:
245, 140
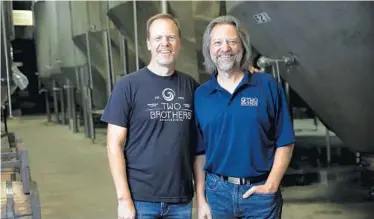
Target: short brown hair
162, 16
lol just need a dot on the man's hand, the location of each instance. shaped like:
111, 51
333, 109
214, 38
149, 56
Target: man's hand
126, 209
253, 69
203, 210
261, 189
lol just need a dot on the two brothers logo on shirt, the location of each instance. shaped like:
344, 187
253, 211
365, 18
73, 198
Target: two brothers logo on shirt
249, 101
170, 108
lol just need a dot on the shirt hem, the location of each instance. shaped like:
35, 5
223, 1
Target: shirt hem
200, 153
164, 199
285, 144
109, 121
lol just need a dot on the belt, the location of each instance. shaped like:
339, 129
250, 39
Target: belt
244, 181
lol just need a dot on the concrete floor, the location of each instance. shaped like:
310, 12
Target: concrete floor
74, 180
71, 172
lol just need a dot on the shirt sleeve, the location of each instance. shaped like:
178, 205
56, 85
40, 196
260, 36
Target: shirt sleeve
284, 132
200, 146
118, 107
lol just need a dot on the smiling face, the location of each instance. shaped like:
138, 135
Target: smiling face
225, 47
163, 42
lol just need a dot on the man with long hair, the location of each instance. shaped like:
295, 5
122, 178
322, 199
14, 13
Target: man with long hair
246, 129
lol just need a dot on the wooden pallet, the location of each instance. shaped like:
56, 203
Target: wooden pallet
14, 203
15, 166
19, 194
9, 174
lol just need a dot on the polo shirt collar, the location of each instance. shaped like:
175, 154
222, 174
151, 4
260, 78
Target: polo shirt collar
248, 79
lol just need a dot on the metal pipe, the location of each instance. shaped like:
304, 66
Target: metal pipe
73, 112
328, 147
68, 101
110, 58
126, 52
55, 103
77, 76
164, 6
89, 114
90, 118
110, 52
89, 60
84, 101
109, 84
136, 35
39, 81
62, 105
278, 73
5, 42
123, 52
47, 107
273, 71
88, 91
78, 88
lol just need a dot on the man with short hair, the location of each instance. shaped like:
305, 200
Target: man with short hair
246, 129
151, 136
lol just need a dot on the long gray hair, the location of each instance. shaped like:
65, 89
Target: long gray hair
210, 67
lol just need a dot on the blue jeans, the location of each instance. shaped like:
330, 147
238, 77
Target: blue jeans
153, 210
226, 201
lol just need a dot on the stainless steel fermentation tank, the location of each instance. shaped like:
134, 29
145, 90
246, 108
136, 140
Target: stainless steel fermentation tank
332, 41
7, 35
133, 27
334, 46
70, 45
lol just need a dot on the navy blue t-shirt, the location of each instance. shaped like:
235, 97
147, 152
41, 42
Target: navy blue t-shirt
161, 140
241, 131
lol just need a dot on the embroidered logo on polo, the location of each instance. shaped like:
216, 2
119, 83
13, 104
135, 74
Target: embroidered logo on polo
249, 101
169, 107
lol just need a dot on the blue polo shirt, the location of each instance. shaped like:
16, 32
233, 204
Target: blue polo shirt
241, 131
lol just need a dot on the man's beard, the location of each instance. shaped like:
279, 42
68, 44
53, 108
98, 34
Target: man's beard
229, 64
